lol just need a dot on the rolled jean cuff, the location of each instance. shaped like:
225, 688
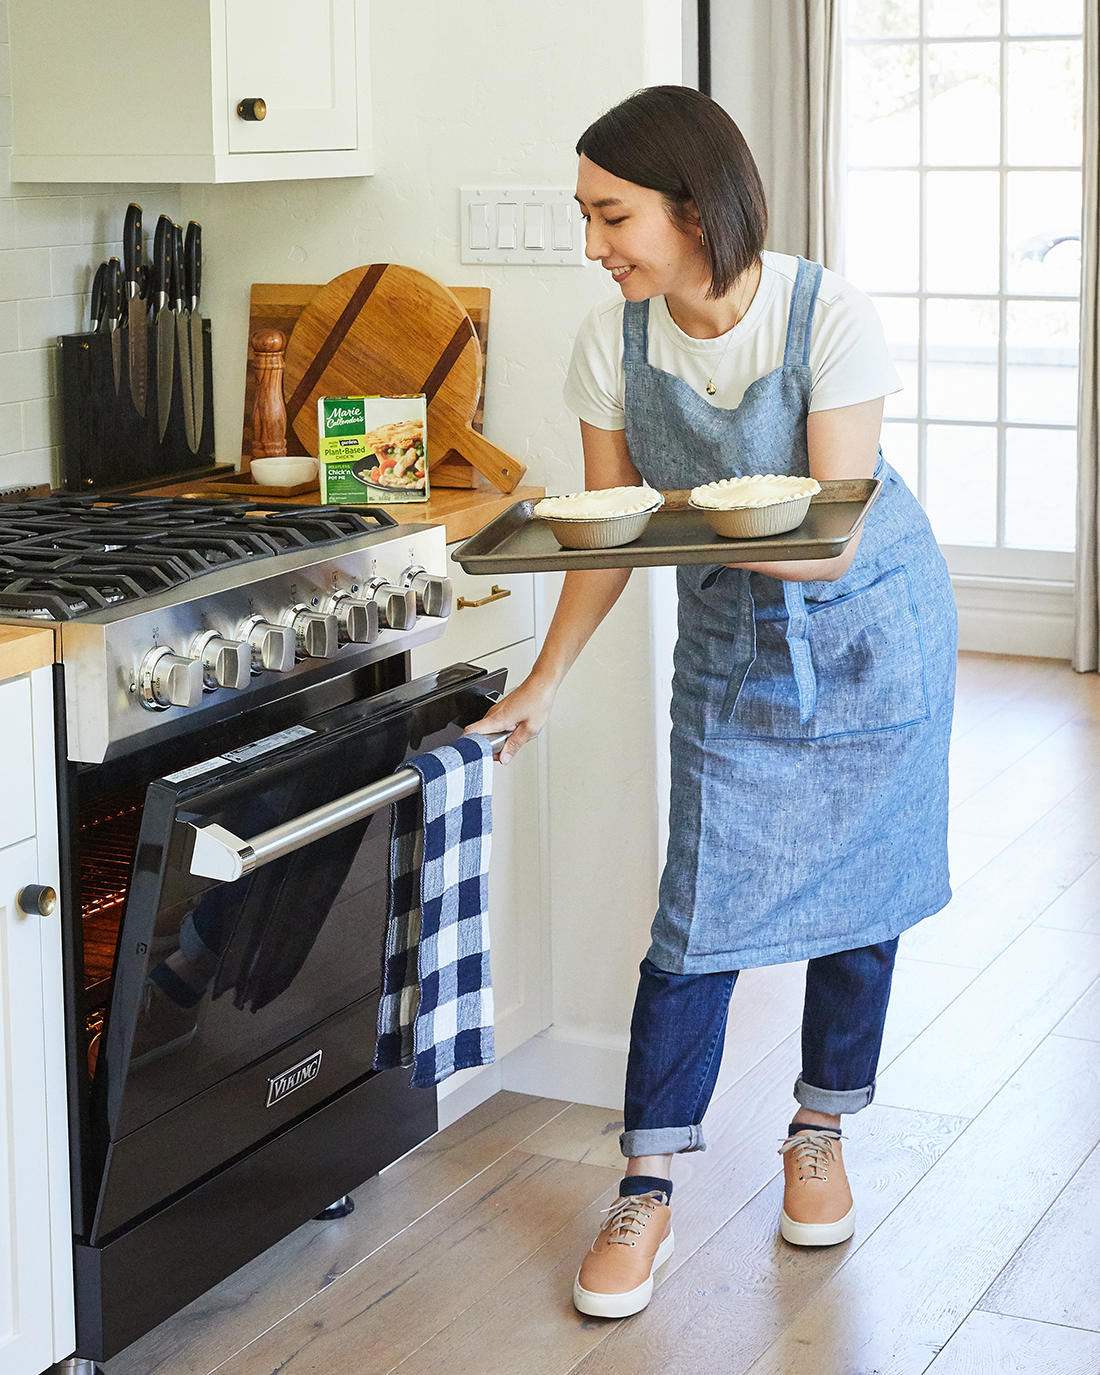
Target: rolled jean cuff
662, 1141
832, 1101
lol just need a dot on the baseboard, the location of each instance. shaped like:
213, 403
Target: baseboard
554, 1064
465, 1091
1015, 616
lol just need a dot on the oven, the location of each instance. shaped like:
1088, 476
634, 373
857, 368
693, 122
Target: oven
227, 749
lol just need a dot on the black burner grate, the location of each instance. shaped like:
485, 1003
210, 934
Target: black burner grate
67, 556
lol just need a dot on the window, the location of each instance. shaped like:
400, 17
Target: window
964, 213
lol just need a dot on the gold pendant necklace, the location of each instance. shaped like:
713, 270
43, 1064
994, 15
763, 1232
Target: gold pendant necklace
711, 388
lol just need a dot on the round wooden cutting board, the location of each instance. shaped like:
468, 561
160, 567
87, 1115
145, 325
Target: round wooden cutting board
388, 330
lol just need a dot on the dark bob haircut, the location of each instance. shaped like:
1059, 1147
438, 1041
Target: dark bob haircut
675, 140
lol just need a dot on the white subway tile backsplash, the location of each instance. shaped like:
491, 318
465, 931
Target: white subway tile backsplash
48, 221
52, 238
42, 320
41, 422
24, 272
9, 326
11, 429
26, 376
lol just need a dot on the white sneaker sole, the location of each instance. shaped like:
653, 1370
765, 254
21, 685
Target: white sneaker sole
621, 1305
817, 1233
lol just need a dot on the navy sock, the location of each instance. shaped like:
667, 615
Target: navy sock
646, 1184
809, 1126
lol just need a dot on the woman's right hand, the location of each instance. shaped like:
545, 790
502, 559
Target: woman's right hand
523, 713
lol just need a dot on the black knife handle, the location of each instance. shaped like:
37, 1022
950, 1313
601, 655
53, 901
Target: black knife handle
131, 248
161, 282
175, 267
99, 295
192, 264
113, 292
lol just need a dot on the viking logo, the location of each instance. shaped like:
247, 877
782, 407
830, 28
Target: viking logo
293, 1078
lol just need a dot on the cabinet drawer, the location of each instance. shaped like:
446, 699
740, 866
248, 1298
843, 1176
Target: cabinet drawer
475, 630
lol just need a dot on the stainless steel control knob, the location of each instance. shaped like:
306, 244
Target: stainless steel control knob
225, 663
272, 645
317, 633
358, 619
433, 592
168, 680
396, 605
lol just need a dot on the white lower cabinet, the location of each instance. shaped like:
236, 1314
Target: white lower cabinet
36, 1285
494, 632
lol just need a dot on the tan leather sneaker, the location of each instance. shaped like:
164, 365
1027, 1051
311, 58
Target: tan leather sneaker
817, 1202
616, 1276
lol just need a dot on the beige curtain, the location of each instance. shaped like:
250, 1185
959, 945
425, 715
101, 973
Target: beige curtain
806, 176
1087, 648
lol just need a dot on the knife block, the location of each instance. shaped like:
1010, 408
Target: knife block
105, 443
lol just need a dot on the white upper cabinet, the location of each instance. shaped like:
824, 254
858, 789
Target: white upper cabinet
133, 91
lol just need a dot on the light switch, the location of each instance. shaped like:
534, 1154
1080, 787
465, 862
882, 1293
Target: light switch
506, 226
479, 225
520, 226
561, 227
534, 227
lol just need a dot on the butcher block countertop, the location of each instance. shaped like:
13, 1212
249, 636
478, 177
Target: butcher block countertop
463, 511
23, 648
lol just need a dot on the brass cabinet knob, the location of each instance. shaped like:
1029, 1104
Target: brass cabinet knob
253, 109
37, 901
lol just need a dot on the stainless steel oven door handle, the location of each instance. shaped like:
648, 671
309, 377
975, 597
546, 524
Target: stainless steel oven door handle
218, 854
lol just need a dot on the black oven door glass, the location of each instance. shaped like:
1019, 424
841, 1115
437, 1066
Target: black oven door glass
213, 977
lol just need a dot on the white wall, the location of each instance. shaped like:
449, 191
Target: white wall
51, 240
501, 93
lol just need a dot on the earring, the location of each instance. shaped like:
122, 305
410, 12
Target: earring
702, 240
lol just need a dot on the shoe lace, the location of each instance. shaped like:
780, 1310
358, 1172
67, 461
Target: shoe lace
812, 1153
628, 1216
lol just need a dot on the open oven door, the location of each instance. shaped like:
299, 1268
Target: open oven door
240, 1008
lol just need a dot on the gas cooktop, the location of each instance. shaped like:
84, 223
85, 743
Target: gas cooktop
173, 612
64, 557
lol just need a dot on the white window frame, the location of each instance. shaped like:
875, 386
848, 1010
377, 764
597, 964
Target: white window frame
974, 560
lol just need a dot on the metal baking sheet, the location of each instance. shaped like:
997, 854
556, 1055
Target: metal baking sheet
518, 542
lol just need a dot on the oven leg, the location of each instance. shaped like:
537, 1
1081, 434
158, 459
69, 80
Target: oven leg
341, 1208
77, 1365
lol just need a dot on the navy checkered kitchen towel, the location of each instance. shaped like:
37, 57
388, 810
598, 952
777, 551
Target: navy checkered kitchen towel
436, 1011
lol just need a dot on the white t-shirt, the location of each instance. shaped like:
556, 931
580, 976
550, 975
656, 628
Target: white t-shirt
849, 361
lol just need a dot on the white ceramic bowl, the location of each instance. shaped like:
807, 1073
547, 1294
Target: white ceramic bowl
283, 472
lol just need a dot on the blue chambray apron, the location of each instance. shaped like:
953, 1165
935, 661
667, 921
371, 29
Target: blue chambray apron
810, 721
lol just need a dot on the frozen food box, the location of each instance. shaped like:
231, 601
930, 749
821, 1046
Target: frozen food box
372, 449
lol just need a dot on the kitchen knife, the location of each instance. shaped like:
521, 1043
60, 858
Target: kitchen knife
111, 313
135, 308
183, 336
99, 296
192, 275
163, 244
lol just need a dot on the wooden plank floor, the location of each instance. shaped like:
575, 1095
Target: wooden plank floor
976, 1170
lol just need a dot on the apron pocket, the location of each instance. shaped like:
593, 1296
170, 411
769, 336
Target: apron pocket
868, 658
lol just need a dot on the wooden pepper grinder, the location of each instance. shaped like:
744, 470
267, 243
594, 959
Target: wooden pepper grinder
269, 410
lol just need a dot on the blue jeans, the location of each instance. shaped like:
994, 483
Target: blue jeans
679, 1026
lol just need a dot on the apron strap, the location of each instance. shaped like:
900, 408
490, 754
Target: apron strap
807, 283
799, 647
636, 332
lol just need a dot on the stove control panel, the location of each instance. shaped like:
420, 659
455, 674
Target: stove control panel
316, 633
225, 663
169, 680
207, 648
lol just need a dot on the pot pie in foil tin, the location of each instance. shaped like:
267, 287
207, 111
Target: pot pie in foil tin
602, 519
750, 507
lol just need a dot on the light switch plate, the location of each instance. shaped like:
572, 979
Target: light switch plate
527, 225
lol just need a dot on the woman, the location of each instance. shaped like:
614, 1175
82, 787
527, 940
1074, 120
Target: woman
811, 700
